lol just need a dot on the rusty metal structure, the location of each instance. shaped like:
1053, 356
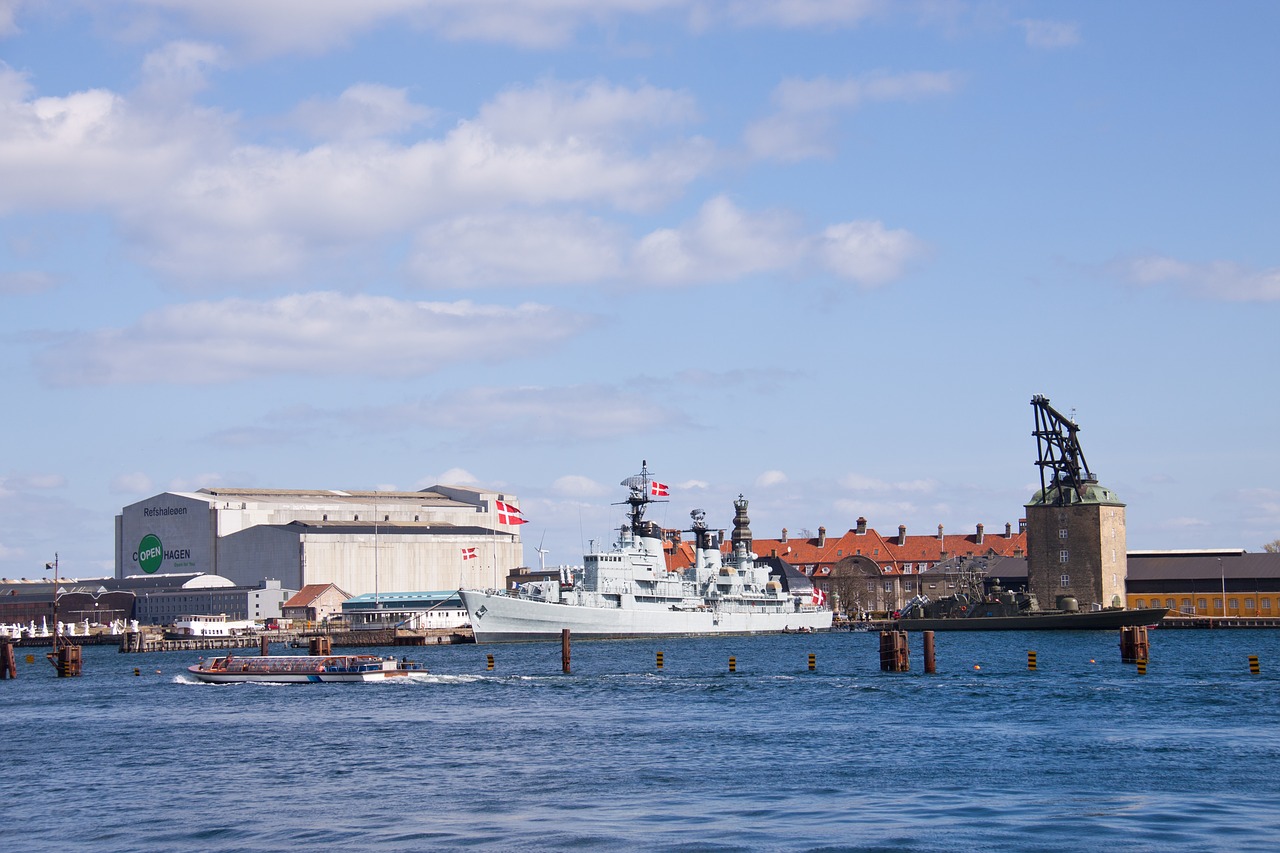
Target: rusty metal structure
1063, 469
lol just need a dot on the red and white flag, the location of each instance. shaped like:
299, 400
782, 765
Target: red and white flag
819, 597
508, 514
659, 490
469, 553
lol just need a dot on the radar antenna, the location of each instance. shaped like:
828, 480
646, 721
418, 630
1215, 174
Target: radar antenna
1063, 468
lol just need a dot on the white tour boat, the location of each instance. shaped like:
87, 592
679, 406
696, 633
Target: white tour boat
630, 592
290, 669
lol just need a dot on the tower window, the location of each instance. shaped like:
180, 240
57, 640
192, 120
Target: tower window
1063, 556
1065, 581
1062, 533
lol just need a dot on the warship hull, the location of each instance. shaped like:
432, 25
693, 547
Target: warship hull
497, 618
1092, 620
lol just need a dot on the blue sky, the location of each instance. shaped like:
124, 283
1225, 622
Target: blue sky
818, 253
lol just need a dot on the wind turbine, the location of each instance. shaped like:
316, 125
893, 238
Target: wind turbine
542, 553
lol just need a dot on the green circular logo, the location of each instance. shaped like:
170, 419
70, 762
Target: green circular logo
150, 553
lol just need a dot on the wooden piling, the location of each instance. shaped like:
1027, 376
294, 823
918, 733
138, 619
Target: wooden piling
8, 663
564, 650
262, 645
320, 646
930, 663
895, 655
1134, 645
67, 660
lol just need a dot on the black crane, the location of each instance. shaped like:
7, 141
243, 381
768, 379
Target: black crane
1062, 465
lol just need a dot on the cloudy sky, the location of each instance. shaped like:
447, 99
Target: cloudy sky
821, 253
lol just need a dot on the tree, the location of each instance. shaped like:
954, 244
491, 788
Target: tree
1272, 547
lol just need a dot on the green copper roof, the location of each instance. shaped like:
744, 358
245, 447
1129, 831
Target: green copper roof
1092, 494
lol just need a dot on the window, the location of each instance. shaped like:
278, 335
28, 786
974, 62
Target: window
1217, 604
1062, 533
908, 586
1065, 581
1186, 606
1168, 603
1248, 604
1233, 603
1266, 605
1138, 603
1202, 604
888, 586
1063, 556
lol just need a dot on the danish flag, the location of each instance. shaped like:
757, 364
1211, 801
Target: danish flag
469, 553
508, 514
819, 597
659, 490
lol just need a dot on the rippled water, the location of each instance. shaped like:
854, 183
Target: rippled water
1082, 754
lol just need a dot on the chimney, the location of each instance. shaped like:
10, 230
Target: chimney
902, 534
1008, 530
1022, 525
862, 526
940, 533
979, 534
784, 534
822, 536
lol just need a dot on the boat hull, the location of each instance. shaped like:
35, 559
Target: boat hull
506, 619
1092, 620
297, 670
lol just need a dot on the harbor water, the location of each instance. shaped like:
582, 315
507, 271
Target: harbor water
1084, 753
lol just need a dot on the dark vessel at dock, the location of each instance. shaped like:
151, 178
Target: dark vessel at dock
975, 606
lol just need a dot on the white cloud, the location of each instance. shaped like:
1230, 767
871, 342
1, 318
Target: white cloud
134, 482
860, 482
513, 249
362, 111
723, 243
805, 109
305, 334
177, 71
692, 485
802, 13
577, 486
195, 483
456, 477
1219, 280
1050, 34
770, 478
867, 252
553, 111
529, 414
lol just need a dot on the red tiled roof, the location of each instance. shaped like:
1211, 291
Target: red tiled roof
308, 594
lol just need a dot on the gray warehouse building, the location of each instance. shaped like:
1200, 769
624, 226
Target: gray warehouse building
444, 537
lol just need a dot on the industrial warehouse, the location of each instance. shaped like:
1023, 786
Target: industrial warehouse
440, 538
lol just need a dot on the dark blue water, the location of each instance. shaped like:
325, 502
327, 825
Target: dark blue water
1084, 754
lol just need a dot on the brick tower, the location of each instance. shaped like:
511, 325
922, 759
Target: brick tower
1075, 527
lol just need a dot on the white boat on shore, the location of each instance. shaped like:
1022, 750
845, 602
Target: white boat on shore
300, 669
630, 592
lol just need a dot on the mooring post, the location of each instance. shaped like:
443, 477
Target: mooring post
564, 650
490, 663
930, 664
262, 645
8, 664
894, 652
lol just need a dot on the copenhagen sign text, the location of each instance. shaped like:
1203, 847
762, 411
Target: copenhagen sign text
151, 554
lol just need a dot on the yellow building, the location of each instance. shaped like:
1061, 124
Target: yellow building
1229, 582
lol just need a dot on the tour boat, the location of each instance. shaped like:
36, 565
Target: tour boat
298, 669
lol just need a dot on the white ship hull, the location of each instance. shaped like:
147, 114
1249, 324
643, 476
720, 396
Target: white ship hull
507, 619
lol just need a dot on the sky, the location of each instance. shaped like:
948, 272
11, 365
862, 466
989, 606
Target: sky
819, 253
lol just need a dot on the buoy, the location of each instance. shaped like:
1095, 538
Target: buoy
975, 666
137, 671
1091, 660
157, 672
